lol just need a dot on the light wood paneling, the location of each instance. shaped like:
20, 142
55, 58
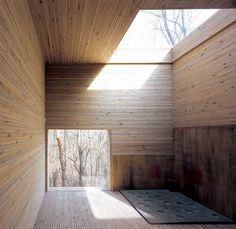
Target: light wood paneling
21, 117
79, 31
219, 21
204, 86
89, 31
100, 210
205, 165
204, 82
140, 119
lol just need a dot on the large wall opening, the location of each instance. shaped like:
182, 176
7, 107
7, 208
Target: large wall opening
78, 158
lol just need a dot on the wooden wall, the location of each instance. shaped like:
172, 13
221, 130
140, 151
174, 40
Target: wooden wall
205, 165
218, 21
204, 93
141, 171
205, 84
22, 106
138, 115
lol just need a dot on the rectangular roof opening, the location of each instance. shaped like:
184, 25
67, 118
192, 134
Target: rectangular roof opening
154, 32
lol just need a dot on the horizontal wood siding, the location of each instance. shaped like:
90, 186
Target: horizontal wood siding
204, 85
21, 117
219, 21
140, 120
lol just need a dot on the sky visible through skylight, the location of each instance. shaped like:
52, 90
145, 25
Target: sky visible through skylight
149, 30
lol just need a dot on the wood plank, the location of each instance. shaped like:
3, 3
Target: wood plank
149, 112
139, 120
204, 83
101, 209
78, 31
141, 172
88, 31
219, 21
22, 116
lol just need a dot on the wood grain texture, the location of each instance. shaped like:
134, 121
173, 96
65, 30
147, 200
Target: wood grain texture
219, 21
205, 165
204, 82
142, 171
21, 117
140, 120
204, 92
79, 31
89, 31
62, 209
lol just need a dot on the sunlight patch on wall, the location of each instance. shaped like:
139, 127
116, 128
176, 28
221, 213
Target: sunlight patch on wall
122, 77
155, 55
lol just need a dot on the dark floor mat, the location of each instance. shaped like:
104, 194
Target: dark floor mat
163, 206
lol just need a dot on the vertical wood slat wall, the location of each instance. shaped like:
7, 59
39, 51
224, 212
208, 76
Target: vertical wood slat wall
205, 165
22, 117
204, 114
140, 120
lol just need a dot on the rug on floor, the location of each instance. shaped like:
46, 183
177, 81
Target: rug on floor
163, 207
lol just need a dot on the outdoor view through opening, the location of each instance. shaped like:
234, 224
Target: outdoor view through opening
78, 158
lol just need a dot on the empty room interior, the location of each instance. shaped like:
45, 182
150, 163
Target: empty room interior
117, 114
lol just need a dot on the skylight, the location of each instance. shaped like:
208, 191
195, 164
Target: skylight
158, 29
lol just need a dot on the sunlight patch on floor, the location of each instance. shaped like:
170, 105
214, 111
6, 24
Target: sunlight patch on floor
106, 206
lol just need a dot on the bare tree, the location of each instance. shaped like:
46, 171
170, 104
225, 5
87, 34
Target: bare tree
174, 25
62, 159
78, 158
101, 146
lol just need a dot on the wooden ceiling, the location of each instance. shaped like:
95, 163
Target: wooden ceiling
88, 31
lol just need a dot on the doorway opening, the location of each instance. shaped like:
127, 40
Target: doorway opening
78, 158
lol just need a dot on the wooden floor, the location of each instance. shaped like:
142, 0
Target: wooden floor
92, 208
